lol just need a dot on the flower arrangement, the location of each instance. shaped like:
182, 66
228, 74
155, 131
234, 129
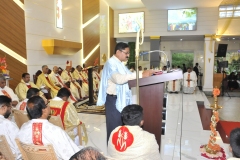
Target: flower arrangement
3, 66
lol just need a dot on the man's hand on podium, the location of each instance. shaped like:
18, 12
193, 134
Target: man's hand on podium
148, 73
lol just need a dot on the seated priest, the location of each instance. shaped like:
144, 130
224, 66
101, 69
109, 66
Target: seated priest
39, 131
131, 141
75, 86
96, 78
24, 85
44, 82
78, 76
30, 93
189, 81
58, 81
67, 111
5, 90
174, 86
8, 128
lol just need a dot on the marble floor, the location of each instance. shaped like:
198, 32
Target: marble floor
184, 133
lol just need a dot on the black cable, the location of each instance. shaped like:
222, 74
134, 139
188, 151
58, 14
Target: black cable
180, 147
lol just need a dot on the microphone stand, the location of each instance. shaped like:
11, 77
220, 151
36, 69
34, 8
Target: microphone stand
137, 50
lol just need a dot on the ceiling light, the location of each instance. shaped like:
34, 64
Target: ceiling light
180, 39
218, 39
233, 38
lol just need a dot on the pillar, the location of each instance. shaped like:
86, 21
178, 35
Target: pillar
208, 63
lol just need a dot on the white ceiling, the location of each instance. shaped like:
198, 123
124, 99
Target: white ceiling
161, 4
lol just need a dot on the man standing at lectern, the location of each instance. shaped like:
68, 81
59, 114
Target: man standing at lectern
114, 91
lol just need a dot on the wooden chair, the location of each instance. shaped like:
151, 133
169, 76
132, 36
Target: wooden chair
36, 152
20, 117
5, 148
56, 120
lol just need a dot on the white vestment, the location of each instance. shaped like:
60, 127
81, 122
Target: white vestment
22, 105
132, 143
174, 86
189, 86
8, 91
63, 145
10, 130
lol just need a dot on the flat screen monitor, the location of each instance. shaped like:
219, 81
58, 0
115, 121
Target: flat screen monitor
131, 22
222, 50
182, 19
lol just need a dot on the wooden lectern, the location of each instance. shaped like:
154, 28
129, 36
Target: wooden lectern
151, 94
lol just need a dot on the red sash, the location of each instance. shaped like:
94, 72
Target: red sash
51, 83
59, 79
60, 111
6, 94
173, 85
23, 106
83, 78
97, 76
188, 79
37, 133
29, 86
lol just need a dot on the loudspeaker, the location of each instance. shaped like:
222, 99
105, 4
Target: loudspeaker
222, 50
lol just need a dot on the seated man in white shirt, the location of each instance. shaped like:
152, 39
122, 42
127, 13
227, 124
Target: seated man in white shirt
30, 93
8, 128
235, 144
39, 131
131, 141
5, 90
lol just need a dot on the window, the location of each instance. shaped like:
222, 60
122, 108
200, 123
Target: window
229, 11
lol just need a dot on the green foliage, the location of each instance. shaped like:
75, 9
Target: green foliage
131, 60
178, 59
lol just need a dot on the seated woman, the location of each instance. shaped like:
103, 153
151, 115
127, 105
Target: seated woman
232, 81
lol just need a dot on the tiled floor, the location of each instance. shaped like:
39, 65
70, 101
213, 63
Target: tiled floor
182, 121
230, 110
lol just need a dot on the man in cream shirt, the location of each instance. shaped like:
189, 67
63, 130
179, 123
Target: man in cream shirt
114, 90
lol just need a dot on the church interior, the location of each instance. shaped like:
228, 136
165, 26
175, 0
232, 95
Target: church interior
63, 45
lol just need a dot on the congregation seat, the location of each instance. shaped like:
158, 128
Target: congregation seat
36, 152
5, 148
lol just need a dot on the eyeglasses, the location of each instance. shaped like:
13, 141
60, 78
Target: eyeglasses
125, 52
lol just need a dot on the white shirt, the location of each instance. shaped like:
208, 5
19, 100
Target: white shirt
119, 79
10, 130
193, 78
24, 103
13, 96
63, 145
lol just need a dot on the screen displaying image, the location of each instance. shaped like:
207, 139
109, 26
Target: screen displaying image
131, 22
182, 19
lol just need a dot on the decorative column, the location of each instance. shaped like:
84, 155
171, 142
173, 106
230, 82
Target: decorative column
208, 63
154, 57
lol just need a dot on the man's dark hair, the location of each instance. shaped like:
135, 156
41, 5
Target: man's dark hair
183, 64
25, 74
132, 115
4, 100
88, 153
196, 64
63, 92
235, 142
121, 46
32, 92
36, 111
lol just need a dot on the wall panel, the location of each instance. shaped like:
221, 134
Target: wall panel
90, 9
93, 57
13, 36
111, 31
91, 37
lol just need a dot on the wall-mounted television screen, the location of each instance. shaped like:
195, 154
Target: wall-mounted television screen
182, 19
131, 22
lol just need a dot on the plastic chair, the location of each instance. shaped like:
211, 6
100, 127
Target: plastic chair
36, 152
5, 148
20, 117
